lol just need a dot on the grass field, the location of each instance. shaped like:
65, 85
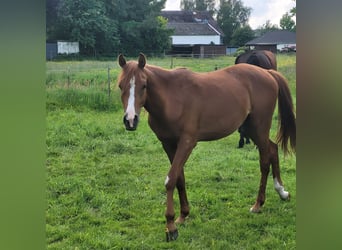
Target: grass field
105, 186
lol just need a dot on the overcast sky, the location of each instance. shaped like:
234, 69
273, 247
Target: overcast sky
262, 11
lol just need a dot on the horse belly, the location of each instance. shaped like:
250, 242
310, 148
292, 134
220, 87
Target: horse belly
221, 120
219, 128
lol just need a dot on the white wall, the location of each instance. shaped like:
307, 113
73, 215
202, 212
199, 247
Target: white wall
67, 47
178, 40
280, 46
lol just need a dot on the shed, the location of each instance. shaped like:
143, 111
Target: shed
53, 48
66, 47
273, 41
205, 50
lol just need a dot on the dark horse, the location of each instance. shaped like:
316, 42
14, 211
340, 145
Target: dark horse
262, 58
186, 107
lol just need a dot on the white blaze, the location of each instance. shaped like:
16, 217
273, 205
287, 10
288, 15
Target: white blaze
280, 189
130, 111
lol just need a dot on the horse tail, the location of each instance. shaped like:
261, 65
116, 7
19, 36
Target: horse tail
286, 115
272, 59
237, 59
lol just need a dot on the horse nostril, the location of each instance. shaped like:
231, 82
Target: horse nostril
136, 120
131, 124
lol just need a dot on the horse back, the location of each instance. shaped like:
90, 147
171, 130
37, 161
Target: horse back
259, 83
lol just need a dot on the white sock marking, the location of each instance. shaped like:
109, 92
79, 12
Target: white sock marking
166, 180
280, 189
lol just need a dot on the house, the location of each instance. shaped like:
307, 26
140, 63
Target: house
274, 41
195, 33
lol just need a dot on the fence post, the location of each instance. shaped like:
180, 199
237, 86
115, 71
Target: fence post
109, 101
171, 66
68, 77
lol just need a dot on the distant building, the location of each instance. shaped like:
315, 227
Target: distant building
51, 50
195, 32
61, 47
231, 50
65, 47
274, 41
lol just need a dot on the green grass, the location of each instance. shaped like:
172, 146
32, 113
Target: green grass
105, 185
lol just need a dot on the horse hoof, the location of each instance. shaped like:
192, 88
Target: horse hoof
171, 236
286, 196
255, 209
180, 220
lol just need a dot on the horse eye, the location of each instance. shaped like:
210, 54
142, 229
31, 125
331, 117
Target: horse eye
144, 86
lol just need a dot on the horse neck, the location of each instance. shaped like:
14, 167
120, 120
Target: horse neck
157, 79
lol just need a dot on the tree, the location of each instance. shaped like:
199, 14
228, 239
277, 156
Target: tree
293, 11
187, 4
155, 34
200, 5
242, 35
286, 22
266, 27
231, 16
141, 26
51, 18
86, 21
108, 26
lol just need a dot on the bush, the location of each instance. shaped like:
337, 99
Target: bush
240, 51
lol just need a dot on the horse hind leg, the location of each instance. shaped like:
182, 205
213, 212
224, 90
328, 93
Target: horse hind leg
268, 153
264, 169
258, 132
243, 133
242, 137
184, 204
278, 184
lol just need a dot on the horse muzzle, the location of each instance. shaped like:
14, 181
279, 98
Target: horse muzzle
131, 123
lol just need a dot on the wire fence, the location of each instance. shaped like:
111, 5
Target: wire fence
92, 83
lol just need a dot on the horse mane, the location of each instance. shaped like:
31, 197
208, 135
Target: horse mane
164, 73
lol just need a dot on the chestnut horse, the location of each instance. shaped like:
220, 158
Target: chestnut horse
185, 107
262, 58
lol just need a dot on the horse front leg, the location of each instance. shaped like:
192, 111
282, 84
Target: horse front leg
176, 177
171, 230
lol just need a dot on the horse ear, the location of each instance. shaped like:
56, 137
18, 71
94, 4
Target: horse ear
122, 60
142, 60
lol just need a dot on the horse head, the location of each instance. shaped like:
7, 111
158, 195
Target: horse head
132, 83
